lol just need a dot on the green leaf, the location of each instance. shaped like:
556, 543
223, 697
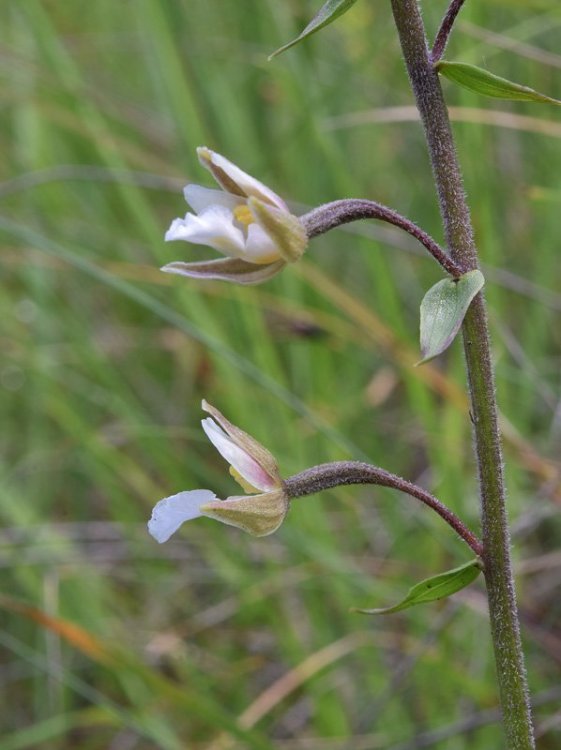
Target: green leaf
482, 82
331, 10
431, 589
443, 309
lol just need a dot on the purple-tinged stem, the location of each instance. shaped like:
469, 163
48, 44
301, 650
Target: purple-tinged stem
441, 39
326, 476
332, 215
504, 622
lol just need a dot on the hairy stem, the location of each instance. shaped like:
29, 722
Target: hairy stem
505, 630
326, 476
441, 39
332, 215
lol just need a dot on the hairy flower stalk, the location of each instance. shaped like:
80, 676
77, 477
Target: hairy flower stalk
337, 473
332, 215
505, 630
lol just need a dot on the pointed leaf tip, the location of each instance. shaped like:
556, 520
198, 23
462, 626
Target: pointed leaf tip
443, 309
483, 82
330, 11
434, 588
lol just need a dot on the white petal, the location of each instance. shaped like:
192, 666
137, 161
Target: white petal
176, 229
246, 182
214, 227
171, 512
259, 247
247, 466
200, 198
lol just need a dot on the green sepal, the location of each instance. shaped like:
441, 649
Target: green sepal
286, 231
331, 10
482, 82
443, 309
431, 589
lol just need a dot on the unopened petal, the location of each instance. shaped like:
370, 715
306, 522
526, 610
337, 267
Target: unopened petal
200, 198
235, 270
214, 227
171, 512
259, 515
247, 466
249, 444
236, 181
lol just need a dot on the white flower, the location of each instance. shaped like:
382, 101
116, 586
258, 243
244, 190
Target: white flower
252, 466
245, 221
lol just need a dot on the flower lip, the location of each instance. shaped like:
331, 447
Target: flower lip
214, 227
171, 512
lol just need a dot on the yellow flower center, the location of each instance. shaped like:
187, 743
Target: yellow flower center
243, 482
243, 214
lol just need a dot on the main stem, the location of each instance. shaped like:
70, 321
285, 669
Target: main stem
505, 629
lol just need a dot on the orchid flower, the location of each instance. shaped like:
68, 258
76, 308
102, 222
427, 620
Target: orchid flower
245, 221
253, 467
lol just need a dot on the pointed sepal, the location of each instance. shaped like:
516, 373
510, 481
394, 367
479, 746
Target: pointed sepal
235, 270
258, 515
285, 229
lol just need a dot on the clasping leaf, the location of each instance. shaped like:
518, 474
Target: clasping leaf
431, 589
443, 309
331, 10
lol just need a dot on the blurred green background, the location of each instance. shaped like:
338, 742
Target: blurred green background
218, 640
